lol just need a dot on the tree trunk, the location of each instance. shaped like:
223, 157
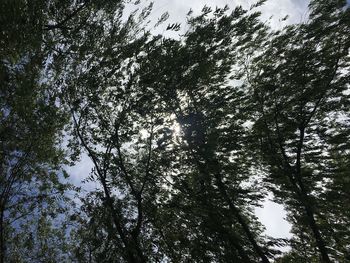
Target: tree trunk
305, 200
240, 220
2, 237
320, 243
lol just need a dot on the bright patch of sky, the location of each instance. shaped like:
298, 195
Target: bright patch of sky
273, 10
273, 215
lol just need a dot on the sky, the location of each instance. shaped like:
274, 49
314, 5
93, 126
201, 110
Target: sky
271, 215
278, 9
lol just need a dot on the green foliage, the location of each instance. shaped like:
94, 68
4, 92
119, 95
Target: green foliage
186, 135
31, 124
300, 88
130, 93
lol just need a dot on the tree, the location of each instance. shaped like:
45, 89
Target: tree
299, 87
186, 135
31, 126
118, 130
124, 101
191, 80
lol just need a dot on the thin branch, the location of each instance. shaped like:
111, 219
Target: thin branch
62, 23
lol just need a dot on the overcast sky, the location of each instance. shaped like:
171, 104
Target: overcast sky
271, 215
274, 9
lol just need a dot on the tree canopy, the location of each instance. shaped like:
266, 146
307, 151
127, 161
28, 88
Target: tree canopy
187, 135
